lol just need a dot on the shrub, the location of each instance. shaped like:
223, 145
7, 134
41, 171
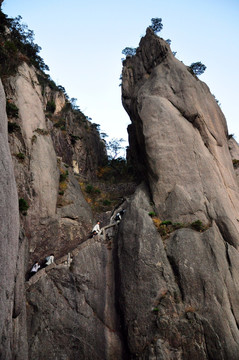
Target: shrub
106, 202
41, 131
152, 214
20, 156
235, 163
34, 139
10, 47
166, 222
64, 176
156, 25
12, 127
157, 223
198, 68
51, 106
60, 124
23, 206
129, 51
11, 109
166, 227
198, 225
155, 310
89, 188
74, 139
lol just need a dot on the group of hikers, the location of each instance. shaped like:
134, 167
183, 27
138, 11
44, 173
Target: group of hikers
37, 266
50, 259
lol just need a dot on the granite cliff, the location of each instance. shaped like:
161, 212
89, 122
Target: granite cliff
160, 284
180, 142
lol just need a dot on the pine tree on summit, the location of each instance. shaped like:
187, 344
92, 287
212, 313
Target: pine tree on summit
156, 25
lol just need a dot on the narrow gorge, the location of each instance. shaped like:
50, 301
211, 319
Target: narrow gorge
162, 283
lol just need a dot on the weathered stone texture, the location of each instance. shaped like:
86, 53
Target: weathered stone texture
179, 139
58, 217
135, 294
71, 313
178, 297
9, 225
180, 136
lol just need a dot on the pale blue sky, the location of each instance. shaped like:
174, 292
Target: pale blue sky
82, 42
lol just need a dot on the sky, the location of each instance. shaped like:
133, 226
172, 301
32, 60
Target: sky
82, 42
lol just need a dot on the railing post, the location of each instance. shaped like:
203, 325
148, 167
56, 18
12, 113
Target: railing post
68, 259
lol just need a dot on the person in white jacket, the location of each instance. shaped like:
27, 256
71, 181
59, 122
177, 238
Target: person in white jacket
34, 269
49, 260
96, 229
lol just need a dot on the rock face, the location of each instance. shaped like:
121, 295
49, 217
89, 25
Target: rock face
50, 147
144, 289
71, 312
9, 224
179, 141
178, 296
181, 129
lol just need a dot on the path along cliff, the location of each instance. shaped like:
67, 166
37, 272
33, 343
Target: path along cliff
164, 283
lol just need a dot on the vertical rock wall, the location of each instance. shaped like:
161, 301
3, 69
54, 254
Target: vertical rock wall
58, 217
9, 235
179, 141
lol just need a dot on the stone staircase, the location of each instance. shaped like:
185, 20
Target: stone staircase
66, 260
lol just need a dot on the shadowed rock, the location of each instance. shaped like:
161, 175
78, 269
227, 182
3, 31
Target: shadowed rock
9, 230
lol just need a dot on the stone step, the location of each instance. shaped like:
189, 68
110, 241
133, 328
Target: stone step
66, 259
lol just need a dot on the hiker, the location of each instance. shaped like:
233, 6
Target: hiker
34, 269
96, 229
48, 260
119, 215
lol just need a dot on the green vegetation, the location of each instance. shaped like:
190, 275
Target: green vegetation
235, 163
152, 214
17, 45
129, 51
64, 175
41, 131
13, 127
166, 222
100, 200
23, 206
198, 68
45, 80
11, 109
90, 189
198, 226
116, 170
34, 139
155, 310
74, 139
20, 156
60, 124
166, 227
106, 202
156, 25
51, 106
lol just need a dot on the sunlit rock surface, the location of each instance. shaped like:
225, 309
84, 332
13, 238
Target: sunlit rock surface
139, 291
179, 140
